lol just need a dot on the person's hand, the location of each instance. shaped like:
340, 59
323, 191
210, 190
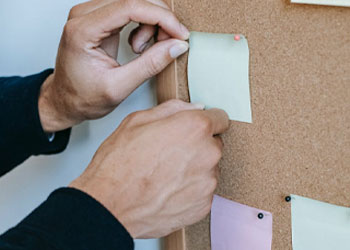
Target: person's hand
88, 82
157, 172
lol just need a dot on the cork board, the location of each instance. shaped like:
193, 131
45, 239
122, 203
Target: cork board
299, 141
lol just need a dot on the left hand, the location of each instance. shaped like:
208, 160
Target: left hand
158, 171
88, 82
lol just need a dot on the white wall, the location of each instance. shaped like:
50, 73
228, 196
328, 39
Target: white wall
30, 33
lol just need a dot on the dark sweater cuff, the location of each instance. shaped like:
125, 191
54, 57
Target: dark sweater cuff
71, 219
19, 100
26, 91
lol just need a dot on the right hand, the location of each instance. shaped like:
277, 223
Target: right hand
88, 83
158, 171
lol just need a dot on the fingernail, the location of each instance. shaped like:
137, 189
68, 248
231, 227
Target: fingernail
144, 47
178, 49
185, 31
200, 106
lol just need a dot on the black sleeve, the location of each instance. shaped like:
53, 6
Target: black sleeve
21, 133
68, 220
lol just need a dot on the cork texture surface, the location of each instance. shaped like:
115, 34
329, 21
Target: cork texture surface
299, 141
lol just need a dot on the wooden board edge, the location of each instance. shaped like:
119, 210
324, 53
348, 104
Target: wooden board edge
167, 89
167, 83
175, 241
167, 86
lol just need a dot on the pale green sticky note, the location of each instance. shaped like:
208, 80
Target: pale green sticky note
319, 225
218, 73
343, 3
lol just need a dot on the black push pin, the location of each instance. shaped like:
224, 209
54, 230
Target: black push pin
288, 198
260, 216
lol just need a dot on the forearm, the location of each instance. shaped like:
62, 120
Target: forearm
68, 219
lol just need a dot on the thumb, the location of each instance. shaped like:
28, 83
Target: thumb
149, 64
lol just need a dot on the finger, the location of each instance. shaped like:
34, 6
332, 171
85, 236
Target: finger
160, 3
165, 110
218, 119
87, 7
110, 44
149, 64
141, 37
162, 35
101, 22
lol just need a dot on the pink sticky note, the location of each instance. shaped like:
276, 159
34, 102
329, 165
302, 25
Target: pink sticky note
235, 226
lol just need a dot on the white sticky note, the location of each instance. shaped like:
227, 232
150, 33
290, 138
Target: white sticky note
218, 73
319, 225
344, 3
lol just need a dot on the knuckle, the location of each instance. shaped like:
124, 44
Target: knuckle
131, 118
131, 4
195, 121
75, 32
174, 102
185, 118
70, 30
202, 123
75, 11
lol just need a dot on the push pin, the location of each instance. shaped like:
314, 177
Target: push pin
288, 198
237, 37
260, 216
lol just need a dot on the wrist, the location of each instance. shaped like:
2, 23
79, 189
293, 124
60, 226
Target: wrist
51, 116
